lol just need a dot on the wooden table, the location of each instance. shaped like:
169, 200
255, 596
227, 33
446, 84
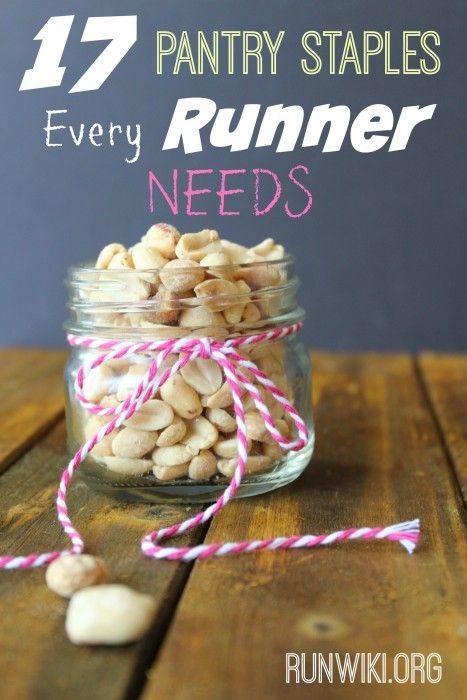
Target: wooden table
392, 444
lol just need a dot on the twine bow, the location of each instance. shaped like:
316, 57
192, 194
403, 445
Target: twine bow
233, 365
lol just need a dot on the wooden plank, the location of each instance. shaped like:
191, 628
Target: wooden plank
445, 379
378, 461
37, 660
31, 384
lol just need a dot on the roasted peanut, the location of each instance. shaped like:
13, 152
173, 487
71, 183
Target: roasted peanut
172, 434
239, 254
107, 253
98, 383
163, 307
209, 292
272, 450
228, 446
199, 317
205, 376
202, 466
181, 396
195, 246
69, 574
132, 444
121, 261
171, 456
255, 427
200, 435
181, 275
153, 415
221, 399
233, 314
93, 424
163, 238
221, 419
259, 276
268, 249
218, 264
145, 258
108, 614
130, 380
254, 464
251, 313
127, 467
174, 471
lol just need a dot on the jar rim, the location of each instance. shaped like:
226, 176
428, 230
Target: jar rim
88, 267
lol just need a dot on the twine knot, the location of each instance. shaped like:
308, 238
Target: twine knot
205, 348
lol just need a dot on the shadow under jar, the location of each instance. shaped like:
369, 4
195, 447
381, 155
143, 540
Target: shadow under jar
181, 445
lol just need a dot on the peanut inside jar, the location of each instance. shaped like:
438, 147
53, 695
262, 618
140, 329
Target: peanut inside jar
170, 285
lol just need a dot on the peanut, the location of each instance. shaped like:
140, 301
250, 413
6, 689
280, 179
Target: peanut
272, 450
121, 261
128, 467
221, 399
181, 275
202, 466
256, 463
205, 376
221, 419
107, 253
255, 427
172, 434
169, 473
153, 415
104, 447
195, 246
209, 292
199, 317
201, 434
98, 383
132, 444
69, 574
145, 258
251, 313
268, 249
218, 264
239, 254
259, 276
181, 396
108, 614
130, 380
233, 314
163, 238
228, 446
171, 456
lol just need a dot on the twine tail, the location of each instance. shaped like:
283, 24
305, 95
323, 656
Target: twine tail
407, 534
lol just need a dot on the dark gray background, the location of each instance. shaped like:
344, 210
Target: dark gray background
382, 254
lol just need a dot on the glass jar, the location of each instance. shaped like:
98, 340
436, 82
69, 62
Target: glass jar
135, 305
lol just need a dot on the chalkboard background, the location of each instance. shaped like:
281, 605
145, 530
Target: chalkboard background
382, 254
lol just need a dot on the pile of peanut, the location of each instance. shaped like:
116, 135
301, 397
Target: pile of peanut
188, 429
191, 281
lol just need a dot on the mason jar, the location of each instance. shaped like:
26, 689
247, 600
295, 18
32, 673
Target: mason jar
181, 444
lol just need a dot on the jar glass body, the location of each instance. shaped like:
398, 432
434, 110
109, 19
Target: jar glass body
140, 474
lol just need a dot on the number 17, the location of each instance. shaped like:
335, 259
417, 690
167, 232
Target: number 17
47, 71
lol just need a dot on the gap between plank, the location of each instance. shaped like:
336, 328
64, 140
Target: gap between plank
161, 627
424, 388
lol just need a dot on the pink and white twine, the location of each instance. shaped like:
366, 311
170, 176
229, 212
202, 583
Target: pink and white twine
224, 352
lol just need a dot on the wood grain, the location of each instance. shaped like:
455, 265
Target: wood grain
31, 386
36, 659
379, 460
445, 378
